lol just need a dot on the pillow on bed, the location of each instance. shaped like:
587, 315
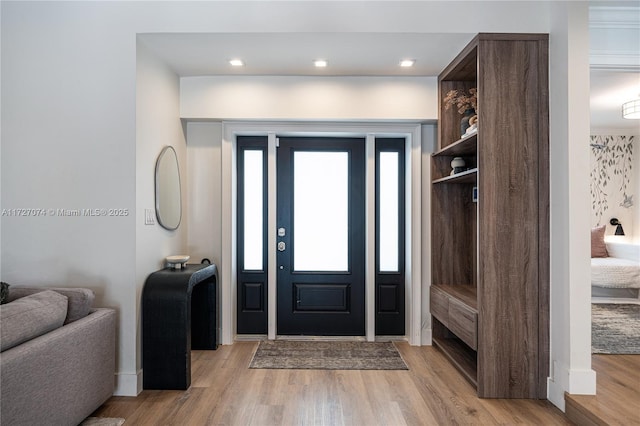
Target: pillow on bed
598, 247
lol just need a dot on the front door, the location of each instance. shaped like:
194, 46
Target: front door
321, 236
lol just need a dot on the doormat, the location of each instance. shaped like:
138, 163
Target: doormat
102, 421
327, 355
615, 329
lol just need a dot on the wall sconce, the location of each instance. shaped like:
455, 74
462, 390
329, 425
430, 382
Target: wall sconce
615, 222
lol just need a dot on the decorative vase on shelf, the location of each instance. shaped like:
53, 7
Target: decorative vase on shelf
464, 123
457, 165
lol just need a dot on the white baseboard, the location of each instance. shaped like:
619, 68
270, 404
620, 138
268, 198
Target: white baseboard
582, 382
576, 382
128, 384
390, 339
555, 394
427, 337
250, 337
323, 338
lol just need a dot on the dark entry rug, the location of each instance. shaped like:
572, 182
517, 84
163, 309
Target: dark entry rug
102, 421
327, 355
615, 328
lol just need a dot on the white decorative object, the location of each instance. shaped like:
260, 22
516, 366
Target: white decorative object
472, 129
457, 162
177, 261
457, 165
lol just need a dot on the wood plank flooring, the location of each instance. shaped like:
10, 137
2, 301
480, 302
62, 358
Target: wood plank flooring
618, 393
224, 391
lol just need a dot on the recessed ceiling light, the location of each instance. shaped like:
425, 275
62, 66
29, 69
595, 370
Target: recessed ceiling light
406, 63
236, 62
320, 63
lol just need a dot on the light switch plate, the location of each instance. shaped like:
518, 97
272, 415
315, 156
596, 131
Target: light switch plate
149, 217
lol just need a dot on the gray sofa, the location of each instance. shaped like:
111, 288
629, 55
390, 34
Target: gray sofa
57, 363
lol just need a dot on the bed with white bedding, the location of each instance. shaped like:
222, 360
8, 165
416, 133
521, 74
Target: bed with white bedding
616, 279
614, 272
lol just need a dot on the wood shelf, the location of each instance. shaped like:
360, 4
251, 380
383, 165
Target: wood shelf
461, 356
468, 176
467, 294
467, 145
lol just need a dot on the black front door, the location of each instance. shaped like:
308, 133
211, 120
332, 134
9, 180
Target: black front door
321, 236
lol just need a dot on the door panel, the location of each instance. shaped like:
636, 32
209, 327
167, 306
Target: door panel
252, 235
321, 297
390, 241
321, 236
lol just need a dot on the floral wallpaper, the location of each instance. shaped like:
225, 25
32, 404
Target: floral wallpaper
611, 178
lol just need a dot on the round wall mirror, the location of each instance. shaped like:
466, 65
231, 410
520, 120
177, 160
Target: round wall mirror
168, 198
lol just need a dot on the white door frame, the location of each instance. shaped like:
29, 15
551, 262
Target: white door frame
369, 131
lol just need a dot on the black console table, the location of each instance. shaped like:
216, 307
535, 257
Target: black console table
179, 313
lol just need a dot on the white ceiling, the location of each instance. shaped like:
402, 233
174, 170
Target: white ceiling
379, 54
609, 90
614, 57
349, 54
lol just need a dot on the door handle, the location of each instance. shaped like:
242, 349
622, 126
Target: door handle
282, 246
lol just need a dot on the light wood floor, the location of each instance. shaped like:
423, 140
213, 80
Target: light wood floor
618, 393
225, 392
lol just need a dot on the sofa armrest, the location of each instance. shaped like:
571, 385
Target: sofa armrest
61, 377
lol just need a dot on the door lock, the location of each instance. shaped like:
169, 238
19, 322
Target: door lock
282, 246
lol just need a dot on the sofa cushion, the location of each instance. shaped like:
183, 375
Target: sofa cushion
80, 299
31, 316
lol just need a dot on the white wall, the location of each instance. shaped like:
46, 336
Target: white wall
157, 125
570, 199
0, 148
636, 189
429, 144
204, 189
309, 98
613, 162
618, 48
69, 132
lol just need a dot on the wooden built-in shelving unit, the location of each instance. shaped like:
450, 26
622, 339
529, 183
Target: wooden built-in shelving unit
490, 258
468, 176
